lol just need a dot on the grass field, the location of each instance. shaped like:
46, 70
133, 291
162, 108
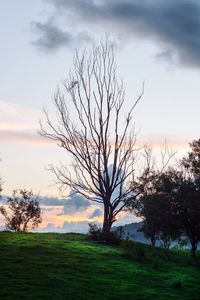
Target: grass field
69, 266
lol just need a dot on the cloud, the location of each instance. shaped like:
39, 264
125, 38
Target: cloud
20, 136
47, 209
73, 204
51, 37
49, 228
52, 201
82, 226
16, 117
166, 55
96, 213
77, 227
2, 228
173, 25
19, 124
3, 200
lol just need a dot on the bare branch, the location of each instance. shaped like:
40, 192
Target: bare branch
91, 129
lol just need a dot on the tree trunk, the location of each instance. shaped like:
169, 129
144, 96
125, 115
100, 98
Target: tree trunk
194, 248
107, 222
153, 241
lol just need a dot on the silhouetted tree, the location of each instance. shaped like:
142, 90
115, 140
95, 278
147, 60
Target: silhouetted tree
191, 162
188, 208
156, 206
91, 128
23, 211
146, 210
177, 208
189, 195
169, 202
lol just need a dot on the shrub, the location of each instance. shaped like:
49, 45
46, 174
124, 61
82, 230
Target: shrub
95, 231
96, 234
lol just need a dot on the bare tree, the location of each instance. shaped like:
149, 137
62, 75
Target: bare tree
90, 126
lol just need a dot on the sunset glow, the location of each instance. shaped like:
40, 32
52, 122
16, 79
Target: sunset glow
37, 56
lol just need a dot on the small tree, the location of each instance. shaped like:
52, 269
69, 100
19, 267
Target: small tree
23, 212
188, 207
156, 206
170, 201
91, 128
189, 195
147, 211
191, 162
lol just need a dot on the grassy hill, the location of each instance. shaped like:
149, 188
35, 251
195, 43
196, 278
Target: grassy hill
68, 266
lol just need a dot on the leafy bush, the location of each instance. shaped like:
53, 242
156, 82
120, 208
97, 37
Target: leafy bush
95, 231
114, 237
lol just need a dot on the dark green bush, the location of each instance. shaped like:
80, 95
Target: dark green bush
95, 231
114, 237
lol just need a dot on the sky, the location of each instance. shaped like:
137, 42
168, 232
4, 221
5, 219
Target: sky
156, 42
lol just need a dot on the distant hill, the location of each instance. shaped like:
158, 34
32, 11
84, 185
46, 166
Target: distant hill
131, 231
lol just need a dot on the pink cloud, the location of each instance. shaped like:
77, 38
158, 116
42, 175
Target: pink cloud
27, 137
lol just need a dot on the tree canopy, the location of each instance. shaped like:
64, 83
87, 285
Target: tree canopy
23, 211
170, 203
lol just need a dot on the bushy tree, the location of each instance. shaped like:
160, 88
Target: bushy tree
189, 195
23, 211
191, 162
146, 211
170, 202
156, 207
188, 208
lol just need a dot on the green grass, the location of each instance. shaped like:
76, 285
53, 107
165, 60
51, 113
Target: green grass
68, 266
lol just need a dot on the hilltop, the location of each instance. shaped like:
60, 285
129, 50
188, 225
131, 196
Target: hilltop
69, 266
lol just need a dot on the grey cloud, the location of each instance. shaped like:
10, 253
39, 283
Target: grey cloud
79, 201
96, 213
3, 200
51, 37
47, 208
172, 24
166, 55
2, 228
49, 228
75, 203
77, 227
71, 205
52, 201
